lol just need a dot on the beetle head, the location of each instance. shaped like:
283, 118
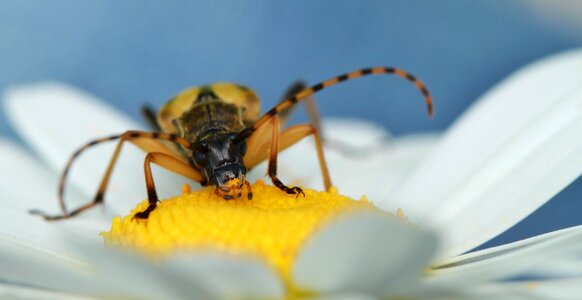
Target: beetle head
220, 157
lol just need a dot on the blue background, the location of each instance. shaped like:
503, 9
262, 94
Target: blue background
131, 52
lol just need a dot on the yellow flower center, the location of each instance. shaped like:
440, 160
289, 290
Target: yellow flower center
273, 225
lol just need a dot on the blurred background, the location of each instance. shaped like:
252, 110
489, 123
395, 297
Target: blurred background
132, 52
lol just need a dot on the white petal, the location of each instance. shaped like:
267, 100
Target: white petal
39, 235
559, 268
512, 151
28, 188
28, 184
25, 265
346, 296
34, 252
511, 259
356, 133
229, 277
19, 292
55, 120
184, 276
122, 275
366, 253
379, 174
560, 289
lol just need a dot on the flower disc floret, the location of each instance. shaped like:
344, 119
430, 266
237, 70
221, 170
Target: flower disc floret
272, 226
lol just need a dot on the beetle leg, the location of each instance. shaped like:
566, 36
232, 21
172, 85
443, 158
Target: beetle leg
259, 143
249, 190
295, 133
165, 161
144, 140
272, 168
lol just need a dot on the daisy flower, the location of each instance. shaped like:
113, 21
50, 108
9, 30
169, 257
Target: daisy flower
507, 155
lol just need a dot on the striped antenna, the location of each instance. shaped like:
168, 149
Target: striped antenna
325, 84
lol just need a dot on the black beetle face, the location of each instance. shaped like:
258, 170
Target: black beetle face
222, 162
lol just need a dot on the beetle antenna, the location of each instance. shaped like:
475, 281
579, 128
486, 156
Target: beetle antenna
335, 80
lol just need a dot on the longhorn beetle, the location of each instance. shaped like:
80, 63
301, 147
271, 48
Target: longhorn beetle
215, 136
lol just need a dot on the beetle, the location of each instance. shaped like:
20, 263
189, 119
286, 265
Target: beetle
214, 134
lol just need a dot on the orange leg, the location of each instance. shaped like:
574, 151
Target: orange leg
259, 146
144, 140
168, 162
287, 138
272, 167
295, 133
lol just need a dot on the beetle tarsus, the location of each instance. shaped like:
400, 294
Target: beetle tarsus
46, 216
289, 190
296, 191
144, 214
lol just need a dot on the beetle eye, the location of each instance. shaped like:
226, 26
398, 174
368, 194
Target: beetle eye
200, 148
200, 155
199, 158
199, 151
